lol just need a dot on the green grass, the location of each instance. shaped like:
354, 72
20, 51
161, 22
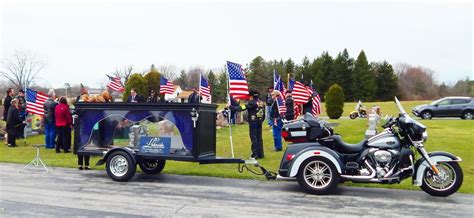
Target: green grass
455, 136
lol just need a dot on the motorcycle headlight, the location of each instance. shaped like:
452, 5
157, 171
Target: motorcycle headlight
424, 136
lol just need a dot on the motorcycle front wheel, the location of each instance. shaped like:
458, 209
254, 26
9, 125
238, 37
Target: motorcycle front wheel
446, 183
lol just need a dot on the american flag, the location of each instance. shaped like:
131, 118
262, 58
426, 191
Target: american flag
166, 86
316, 104
278, 84
115, 84
279, 87
204, 88
300, 94
35, 101
238, 87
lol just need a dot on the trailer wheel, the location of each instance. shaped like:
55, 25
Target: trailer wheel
318, 175
152, 166
120, 166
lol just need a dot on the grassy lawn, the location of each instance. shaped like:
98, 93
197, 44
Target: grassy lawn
455, 136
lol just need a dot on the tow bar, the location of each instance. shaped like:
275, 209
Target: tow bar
252, 162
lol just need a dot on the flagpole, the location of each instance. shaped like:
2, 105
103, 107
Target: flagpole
288, 82
24, 132
228, 114
199, 90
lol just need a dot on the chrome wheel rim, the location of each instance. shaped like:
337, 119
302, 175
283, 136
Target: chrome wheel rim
119, 165
426, 115
150, 165
468, 116
317, 174
444, 181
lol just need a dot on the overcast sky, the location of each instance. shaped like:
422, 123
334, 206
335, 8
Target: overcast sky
83, 40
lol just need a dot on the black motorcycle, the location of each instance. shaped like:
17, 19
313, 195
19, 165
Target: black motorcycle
320, 159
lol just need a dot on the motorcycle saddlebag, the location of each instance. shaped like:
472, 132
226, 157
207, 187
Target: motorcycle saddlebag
302, 131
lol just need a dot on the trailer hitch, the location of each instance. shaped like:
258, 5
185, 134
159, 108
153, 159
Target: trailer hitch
252, 162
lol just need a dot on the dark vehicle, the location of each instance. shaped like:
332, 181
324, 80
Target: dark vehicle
447, 107
320, 159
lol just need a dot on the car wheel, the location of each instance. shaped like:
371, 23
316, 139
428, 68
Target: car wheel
426, 115
468, 115
318, 175
152, 166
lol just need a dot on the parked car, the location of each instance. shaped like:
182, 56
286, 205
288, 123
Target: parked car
447, 107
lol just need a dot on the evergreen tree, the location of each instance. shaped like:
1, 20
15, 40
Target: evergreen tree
181, 80
152, 80
221, 89
135, 81
304, 70
343, 73
260, 76
334, 101
211, 78
322, 69
363, 86
386, 82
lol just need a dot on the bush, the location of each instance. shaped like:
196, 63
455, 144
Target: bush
334, 101
152, 80
135, 81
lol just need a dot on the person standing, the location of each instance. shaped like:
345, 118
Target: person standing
6, 105
256, 115
13, 121
63, 120
49, 122
134, 97
153, 97
194, 97
23, 114
289, 104
277, 123
269, 102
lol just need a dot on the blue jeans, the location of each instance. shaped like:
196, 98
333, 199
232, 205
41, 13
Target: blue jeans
277, 134
50, 134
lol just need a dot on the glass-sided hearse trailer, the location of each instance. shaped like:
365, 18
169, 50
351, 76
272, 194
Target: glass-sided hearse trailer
129, 134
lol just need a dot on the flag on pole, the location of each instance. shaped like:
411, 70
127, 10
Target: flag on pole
204, 88
238, 87
35, 101
316, 100
166, 87
115, 84
300, 94
278, 85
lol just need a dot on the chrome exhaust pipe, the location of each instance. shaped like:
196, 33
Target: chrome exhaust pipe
361, 178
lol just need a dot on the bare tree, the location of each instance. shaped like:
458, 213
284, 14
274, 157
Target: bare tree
124, 73
22, 68
416, 83
168, 71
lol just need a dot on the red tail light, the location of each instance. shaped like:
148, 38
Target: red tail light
290, 157
285, 134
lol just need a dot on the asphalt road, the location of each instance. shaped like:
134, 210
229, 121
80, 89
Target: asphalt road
70, 192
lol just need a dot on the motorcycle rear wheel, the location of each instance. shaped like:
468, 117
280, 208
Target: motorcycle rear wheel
318, 175
445, 184
353, 115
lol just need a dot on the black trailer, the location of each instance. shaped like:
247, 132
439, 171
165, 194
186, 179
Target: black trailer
129, 134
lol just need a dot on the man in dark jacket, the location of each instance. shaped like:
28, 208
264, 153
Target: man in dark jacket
13, 121
134, 97
269, 105
49, 121
256, 115
290, 110
7, 102
277, 123
23, 114
194, 97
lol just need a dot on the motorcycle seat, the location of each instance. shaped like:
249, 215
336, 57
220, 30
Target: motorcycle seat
344, 147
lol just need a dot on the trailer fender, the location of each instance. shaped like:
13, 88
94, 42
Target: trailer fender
314, 153
421, 165
130, 151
